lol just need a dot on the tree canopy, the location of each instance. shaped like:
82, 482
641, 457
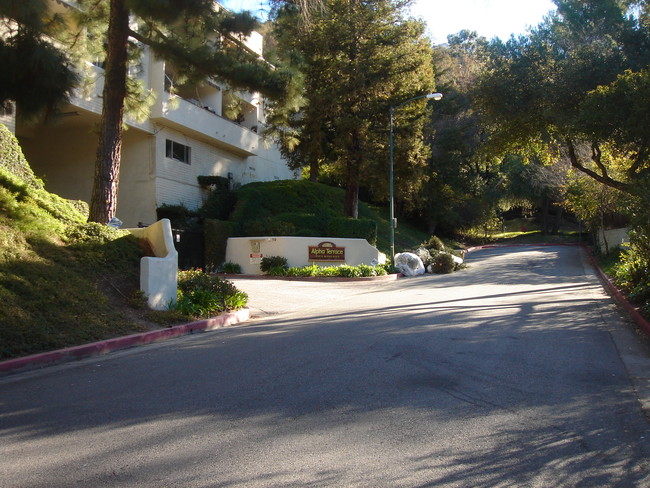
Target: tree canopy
560, 86
199, 38
35, 74
357, 58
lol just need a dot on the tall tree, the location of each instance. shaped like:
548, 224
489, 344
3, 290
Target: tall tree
35, 74
460, 175
542, 90
358, 58
199, 38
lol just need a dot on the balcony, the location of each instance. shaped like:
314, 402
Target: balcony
185, 115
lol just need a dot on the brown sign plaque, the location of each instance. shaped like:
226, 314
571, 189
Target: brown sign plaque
326, 251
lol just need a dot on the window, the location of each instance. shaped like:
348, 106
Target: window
179, 152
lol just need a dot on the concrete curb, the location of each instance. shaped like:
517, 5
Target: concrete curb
323, 279
118, 343
640, 320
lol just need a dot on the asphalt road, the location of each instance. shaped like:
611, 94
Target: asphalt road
516, 372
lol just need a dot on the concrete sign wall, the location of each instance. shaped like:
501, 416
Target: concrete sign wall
248, 252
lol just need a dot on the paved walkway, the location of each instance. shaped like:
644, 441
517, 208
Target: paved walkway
275, 296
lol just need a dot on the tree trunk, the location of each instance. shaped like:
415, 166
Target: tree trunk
558, 219
354, 163
545, 207
313, 170
602, 229
103, 204
351, 208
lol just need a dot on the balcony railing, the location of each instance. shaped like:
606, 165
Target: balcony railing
185, 115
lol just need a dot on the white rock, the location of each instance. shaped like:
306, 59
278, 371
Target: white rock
409, 264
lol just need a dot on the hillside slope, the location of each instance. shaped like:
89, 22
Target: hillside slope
57, 273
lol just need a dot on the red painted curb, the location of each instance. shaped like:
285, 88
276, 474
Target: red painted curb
641, 321
109, 345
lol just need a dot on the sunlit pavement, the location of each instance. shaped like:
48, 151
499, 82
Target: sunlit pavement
517, 371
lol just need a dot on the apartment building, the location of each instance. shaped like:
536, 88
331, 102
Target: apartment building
191, 131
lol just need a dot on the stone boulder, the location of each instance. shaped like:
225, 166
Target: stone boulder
409, 264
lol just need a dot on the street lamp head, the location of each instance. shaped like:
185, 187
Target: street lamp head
435, 96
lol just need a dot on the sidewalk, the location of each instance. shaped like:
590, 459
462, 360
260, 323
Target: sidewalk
268, 296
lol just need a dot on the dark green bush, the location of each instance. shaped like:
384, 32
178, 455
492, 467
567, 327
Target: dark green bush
305, 224
353, 228
201, 295
633, 271
216, 234
219, 204
443, 263
434, 243
261, 200
268, 227
13, 160
270, 262
180, 216
220, 182
230, 268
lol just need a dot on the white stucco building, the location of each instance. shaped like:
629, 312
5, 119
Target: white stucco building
162, 156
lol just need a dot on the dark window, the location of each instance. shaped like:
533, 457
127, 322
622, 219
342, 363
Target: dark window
179, 152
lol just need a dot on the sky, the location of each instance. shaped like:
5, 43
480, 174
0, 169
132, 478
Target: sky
490, 18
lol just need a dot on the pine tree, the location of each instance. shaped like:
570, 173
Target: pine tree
200, 39
357, 58
35, 74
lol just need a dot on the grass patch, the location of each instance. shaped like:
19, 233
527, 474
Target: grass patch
526, 237
62, 282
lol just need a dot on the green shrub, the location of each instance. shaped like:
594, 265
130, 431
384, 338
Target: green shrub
367, 271
633, 275
260, 200
305, 224
231, 268
220, 182
346, 271
13, 160
353, 228
434, 243
270, 262
179, 215
310, 270
277, 271
328, 272
268, 227
201, 295
443, 263
220, 202
343, 271
216, 234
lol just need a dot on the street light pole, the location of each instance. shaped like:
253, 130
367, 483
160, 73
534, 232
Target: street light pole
435, 96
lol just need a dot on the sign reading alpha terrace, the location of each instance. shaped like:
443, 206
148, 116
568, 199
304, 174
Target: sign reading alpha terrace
326, 251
